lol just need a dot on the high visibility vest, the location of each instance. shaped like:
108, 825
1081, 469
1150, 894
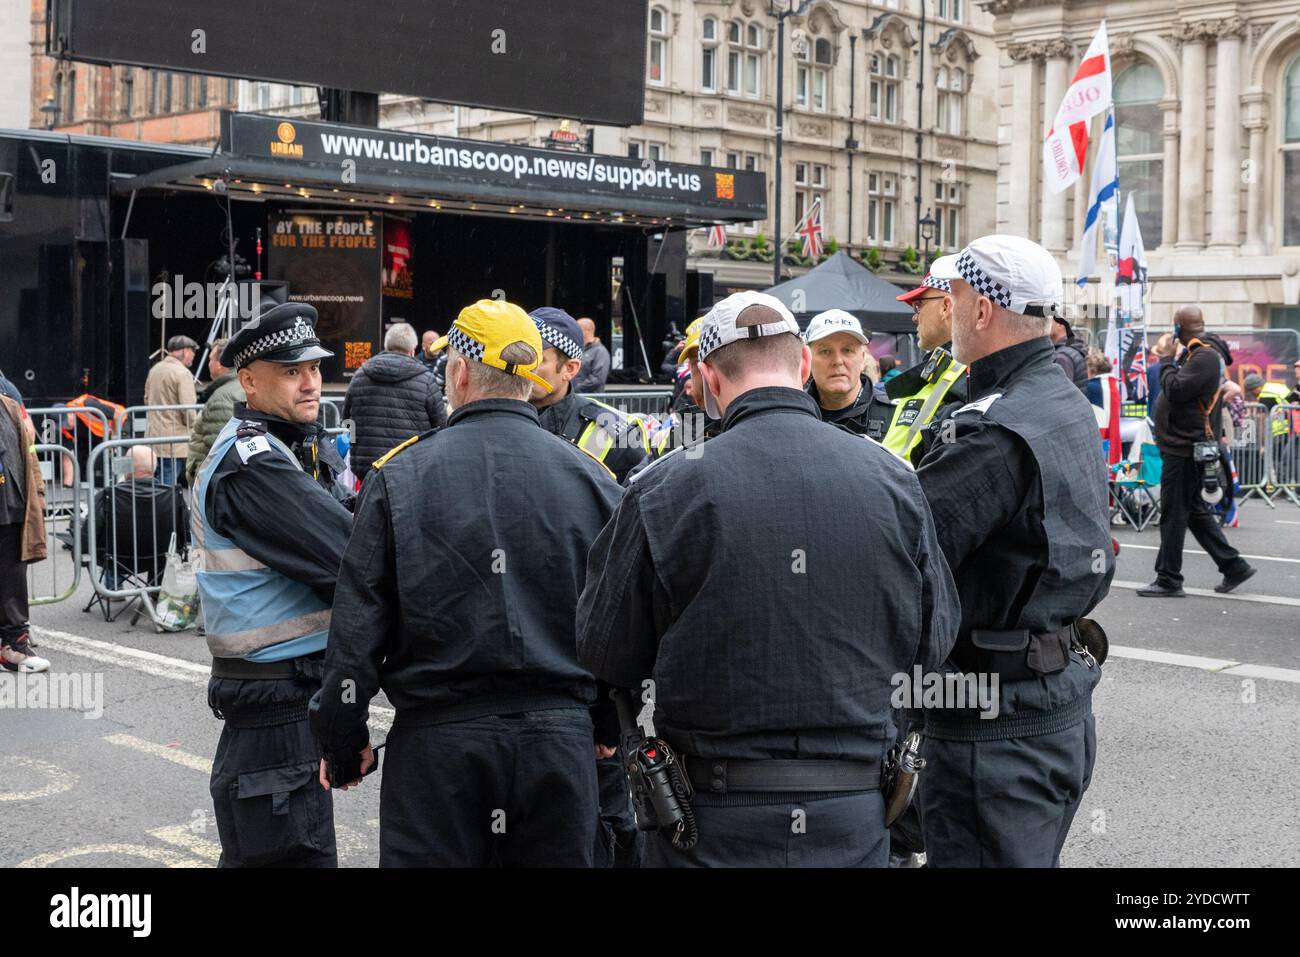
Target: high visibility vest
250, 610
114, 413
913, 413
597, 440
1278, 393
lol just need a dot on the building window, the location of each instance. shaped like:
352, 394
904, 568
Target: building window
947, 216
882, 207
755, 37
706, 157
167, 92
70, 114
151, 106
203, 93
634, 149
949, 102
709, 61
187, 93
263, 96
812, 75
950, 10
128, 92
657, 63
810, 180
1139, 145
232, 92
1291, 155
883, 89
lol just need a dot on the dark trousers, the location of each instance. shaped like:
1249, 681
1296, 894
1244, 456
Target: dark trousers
13, 584
270, 807
1181, 508
515, 790
618, 841
835, 830
1004, 803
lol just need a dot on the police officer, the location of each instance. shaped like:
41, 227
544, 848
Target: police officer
462, 609
612, 437
272, 536
1019, 501
689, 424
1070, 353
729, 580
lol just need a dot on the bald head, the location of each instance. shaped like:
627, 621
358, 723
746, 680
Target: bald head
142, 462
588, 330
1190, 322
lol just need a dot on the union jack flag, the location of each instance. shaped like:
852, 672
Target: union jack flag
717, 237
811, 230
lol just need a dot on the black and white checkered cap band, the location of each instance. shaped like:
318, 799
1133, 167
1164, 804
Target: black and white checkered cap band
299, 334
933, 283
711, 338
980, 281
553, 337
469, 348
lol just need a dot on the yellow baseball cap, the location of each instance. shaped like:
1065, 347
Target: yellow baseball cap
692, 341
485, 329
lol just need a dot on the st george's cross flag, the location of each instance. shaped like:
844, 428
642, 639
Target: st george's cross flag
1089, 93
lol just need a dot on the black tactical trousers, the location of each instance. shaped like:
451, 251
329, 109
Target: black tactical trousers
775, 830
1004, 803
1181, 508
13, 584
618, 842
515, 790
271, 810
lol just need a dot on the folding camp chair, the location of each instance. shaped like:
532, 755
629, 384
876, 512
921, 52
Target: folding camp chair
1130, 489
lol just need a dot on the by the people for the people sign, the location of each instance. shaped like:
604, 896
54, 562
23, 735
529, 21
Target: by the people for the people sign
332, 261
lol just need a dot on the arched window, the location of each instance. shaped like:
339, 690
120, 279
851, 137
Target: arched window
1139, 144
1291, 155
755, 37
709, 55
657, 62
812, 75
951, 86
735, 56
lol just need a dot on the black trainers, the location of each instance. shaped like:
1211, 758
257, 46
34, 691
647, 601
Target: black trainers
1157, 590
1232, 581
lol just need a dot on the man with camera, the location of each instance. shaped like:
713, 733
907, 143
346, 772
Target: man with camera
1187, 424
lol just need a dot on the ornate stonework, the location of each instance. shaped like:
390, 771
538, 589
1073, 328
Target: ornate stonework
809, 128
748, 117
950, 150
653, 105
1042, 49
957, 44
887, 141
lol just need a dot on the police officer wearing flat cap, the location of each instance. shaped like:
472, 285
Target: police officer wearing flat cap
272, 535
612, 437
732, 582
461, 608
1018, 492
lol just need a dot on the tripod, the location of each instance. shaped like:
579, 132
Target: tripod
223, 323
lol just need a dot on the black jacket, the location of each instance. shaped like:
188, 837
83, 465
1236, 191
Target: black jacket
391, 398
287, 517
1072, 356
853, 417
1188, 393
462, 605
736, 580
574, 414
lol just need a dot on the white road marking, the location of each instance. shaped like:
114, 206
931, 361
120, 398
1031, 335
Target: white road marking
1283, 521
159, 666
183, 837
1194, 551
60, 780
158, 855
175, 755
1211, 593
1216, 665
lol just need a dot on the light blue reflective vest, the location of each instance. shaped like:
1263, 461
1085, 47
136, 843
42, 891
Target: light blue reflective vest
251, 611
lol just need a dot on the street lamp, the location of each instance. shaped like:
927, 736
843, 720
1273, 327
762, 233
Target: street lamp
51, 111
927, 234
781, 16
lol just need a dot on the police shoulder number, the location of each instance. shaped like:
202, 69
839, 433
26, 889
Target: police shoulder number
253, 445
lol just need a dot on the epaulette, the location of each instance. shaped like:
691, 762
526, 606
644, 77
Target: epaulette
249, 428
606, 416
383, 459
655, 464
982, 406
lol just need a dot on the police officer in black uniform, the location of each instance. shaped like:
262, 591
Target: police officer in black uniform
614, 438
732, 581
1070, 353
689, 425
1019, 501
462, 607
272, 533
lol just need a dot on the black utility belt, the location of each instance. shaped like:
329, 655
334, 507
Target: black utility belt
1016, 654
728, 775
247, 670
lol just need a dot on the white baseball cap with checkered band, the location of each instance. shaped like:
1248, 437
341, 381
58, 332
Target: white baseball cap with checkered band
719, 329
1016, 273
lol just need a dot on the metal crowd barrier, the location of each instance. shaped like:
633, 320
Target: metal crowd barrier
1251, 453
1284, 451
648, 402
53, 425
136, 421
61, 524
331, 412
129, 524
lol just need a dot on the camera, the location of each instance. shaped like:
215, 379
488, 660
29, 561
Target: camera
1206, 455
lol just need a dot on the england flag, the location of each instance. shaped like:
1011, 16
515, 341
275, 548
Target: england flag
1089, 94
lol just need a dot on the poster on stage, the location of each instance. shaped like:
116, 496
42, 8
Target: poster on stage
398, 281
332, 261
